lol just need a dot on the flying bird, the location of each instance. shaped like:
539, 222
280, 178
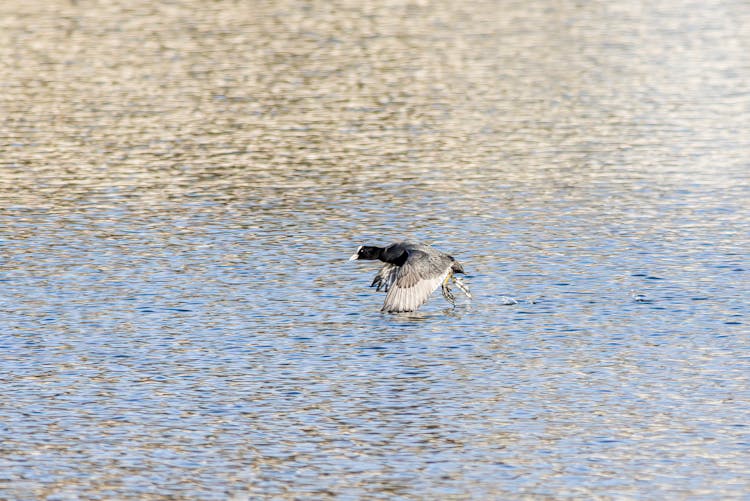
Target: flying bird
411, 273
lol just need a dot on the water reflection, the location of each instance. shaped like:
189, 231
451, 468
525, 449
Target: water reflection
182, 184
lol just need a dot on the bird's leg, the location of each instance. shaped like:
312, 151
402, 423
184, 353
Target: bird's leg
447, 294
461, 285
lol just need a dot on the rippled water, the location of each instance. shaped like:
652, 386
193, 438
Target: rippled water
182, 183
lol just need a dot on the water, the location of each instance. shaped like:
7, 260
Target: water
182, 184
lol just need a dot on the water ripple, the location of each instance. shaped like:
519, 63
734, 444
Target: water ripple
183, 182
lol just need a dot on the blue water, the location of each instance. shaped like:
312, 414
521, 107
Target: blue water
179, 318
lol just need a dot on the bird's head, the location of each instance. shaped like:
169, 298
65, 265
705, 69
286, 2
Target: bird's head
367, 252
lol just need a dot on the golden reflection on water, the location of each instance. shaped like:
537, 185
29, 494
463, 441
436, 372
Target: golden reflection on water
159, 101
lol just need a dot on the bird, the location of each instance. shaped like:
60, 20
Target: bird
411, 273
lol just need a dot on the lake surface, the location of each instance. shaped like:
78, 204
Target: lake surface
182, 183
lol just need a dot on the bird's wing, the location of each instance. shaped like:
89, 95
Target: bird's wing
414, 281
385, 277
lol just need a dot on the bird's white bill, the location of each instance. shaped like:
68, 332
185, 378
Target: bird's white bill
355, 256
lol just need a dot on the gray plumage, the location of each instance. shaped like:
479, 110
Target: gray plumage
411, 273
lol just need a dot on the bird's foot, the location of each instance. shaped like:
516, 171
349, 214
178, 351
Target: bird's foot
461, 285
447, 294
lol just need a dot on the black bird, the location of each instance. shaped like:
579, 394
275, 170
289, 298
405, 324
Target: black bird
411, 273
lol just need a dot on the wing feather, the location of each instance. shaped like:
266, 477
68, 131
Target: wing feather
410, 285
385, 277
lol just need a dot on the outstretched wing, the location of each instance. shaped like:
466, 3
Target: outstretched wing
414, 281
